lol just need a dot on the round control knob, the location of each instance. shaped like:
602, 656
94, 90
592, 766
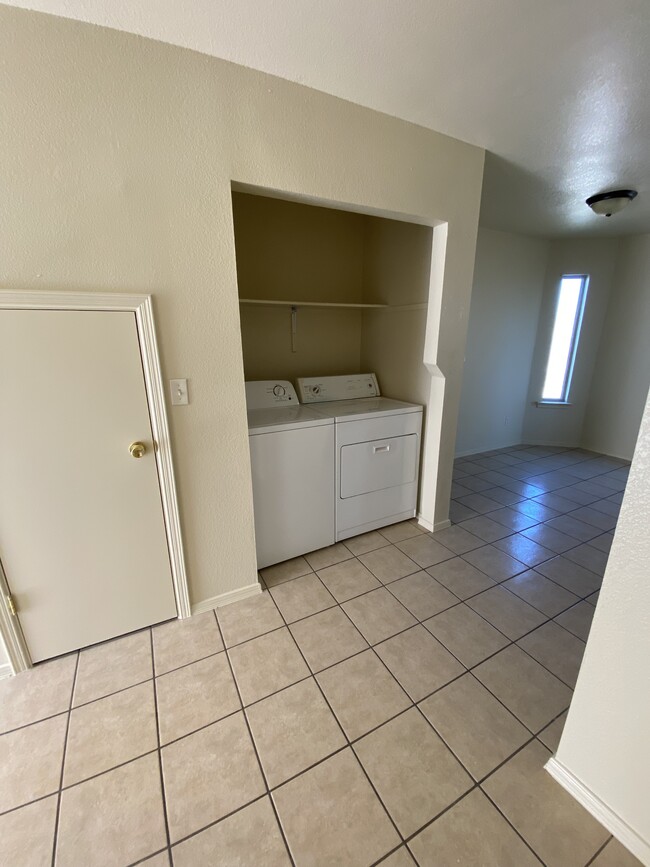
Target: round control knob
315, 389
279, 390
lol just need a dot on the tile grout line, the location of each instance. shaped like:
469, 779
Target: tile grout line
158, 749
57, 819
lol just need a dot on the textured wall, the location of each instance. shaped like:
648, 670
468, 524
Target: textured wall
117, 156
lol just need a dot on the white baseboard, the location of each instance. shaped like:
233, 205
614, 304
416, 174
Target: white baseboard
227, 598
6, 670
627, 836
441, 525
433, 528
479, 451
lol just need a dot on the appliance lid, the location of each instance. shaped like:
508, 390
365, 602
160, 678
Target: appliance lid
370, 407
270, 420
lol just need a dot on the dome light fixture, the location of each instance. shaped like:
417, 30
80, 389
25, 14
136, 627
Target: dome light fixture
610, 203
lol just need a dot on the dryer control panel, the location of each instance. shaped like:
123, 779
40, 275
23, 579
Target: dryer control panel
269, 393
317, 389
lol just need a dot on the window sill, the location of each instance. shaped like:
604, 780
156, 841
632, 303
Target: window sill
543, 403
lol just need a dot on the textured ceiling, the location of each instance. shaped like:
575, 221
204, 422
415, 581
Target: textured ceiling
557, 91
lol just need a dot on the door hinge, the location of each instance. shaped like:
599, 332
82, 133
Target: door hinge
11, 605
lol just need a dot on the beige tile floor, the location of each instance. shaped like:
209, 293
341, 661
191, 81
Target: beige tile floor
389, 699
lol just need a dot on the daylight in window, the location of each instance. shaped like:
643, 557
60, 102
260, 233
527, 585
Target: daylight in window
564, 342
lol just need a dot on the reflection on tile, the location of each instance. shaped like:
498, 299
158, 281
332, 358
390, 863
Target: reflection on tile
412, 770
478, 728
349, 826
181, 641
469, 637
485, 528
113, 665
362, 693
249, 618
419, 662
209, 774
250, 836
472, 832
550, 538
549, 819
495, 563
266, 664
293, 729
524, 549
32, 695
120, 812
378, 615
30, 762
327, 638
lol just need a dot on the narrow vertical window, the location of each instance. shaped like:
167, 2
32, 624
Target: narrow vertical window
564, 342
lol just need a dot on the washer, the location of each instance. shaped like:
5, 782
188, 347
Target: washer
292, 464
377, 450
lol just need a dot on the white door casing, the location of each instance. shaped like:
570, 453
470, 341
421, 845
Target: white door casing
79, 574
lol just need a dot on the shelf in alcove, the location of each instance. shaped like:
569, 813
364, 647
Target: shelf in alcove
306, 303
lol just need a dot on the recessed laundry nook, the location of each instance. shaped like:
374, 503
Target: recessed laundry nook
337, 314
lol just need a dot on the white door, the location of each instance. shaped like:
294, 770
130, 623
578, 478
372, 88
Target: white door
82, 535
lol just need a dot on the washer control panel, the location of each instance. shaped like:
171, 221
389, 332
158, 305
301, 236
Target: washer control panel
317, 389
269, 393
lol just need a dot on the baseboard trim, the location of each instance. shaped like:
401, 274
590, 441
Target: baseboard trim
627, 836
433, 528
476, 451
227, 598
441, 525
6, 670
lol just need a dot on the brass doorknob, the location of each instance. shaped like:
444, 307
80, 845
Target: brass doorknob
137, 450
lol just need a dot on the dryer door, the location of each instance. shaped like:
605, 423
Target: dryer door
376, 465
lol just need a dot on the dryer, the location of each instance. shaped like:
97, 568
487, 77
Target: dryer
292, 465
377, 444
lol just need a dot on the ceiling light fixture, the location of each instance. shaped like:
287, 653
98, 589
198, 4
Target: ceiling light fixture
610, 203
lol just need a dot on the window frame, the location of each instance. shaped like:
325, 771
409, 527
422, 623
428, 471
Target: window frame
575, 339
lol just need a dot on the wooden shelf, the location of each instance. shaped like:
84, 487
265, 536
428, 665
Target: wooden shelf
307, 303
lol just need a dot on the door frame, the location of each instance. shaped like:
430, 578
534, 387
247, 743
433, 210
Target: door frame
142, 307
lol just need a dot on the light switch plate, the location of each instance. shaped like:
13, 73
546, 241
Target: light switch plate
180, 396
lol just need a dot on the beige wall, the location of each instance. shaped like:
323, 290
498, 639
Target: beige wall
562, 425
622, 373
605, 744
117, 157
506, 298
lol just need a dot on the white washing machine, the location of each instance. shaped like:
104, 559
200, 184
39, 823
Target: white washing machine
292, 463
377, 450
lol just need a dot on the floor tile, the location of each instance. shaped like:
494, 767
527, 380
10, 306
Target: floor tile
561, 831
362, 693
457, 539
30, 762
331, 815
476, 485
366, 542
589, 557
594, 518
113, 665
535, 510
302, 597
327, 638
458, 513
592, 599
495, 563
603, 543
419, 662
524, 549
503, 495
473, 832
607, 507
194, 696
400, 858
250, 836
399, 532
425, 550
249, 618
293, 729
209, 774
349, 579
422, 595
109, 732
414, 773
378, 615
27, 834
550, 538
460, 577
557, 502
550, 736
485, 528
389, 564
469, 637
267, 664
573, 527
479, 503
514, 519
507, 612
287, 571
571, 576
33, 695
529, 691
577, 619
541, 593
115, 818
477, 727
556, 649
325, 557
181, 641
615, 855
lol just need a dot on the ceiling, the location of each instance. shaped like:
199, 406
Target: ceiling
557, 91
